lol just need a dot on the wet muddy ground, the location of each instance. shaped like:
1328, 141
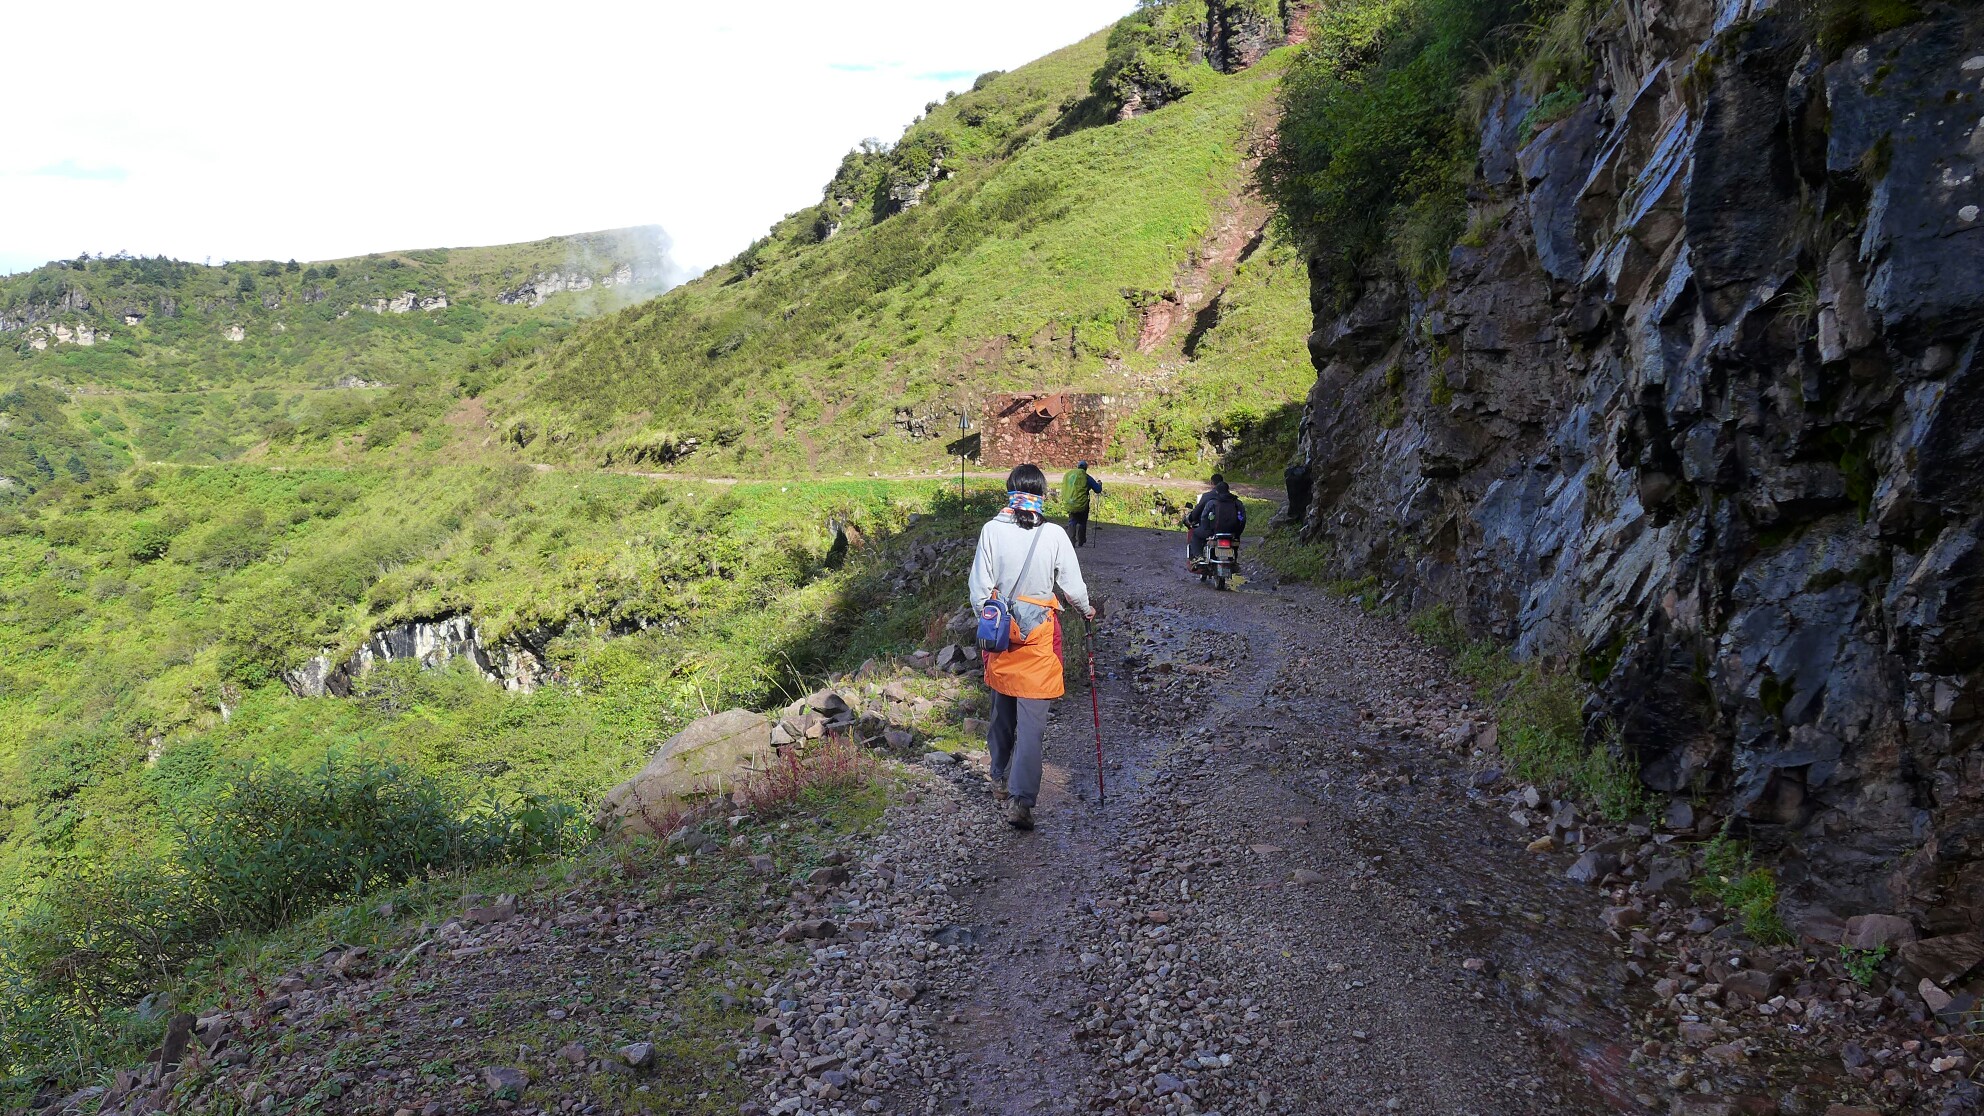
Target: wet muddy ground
1288, 905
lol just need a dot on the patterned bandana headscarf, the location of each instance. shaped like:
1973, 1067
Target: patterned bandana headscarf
1024, 501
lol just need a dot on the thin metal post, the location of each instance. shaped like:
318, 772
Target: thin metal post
964, 509
1095, 707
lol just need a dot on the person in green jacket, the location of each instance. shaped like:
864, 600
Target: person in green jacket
1075, 489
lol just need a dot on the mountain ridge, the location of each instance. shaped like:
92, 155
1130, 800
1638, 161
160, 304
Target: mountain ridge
165, 360
1014, 238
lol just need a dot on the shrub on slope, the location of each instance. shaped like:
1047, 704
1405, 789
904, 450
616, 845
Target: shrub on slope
1373, 151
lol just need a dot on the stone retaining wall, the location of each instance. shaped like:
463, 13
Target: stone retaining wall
1054, 429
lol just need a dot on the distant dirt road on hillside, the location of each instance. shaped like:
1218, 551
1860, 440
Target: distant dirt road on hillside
1251, 491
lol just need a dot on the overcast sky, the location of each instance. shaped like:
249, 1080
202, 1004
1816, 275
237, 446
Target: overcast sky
312, 131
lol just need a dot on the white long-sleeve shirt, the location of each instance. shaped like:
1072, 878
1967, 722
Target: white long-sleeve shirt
1002, 547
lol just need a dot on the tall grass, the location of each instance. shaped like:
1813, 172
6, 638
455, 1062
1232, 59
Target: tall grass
1284, 551
803, 777
265, 845
1540, 720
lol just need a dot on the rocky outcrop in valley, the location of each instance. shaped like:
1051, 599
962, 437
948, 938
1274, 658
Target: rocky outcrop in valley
408, 301
519, 664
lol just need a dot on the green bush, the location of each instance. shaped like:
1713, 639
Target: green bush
1556, 105
1284, 552
1367, 591
1731, 877
1374, 150
1863, 964
1540, 715
381, 433
270, 844
1440, 627
1562, 56
234, 545
1540, 719
101, 939
150, 539
66, 532
266, 845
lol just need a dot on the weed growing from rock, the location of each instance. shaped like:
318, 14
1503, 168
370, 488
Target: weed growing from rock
1731, 877
1541, 723
1863, 964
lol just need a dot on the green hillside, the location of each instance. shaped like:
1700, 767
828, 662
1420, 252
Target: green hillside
1043, 234
145, 622
166, 360
137, 613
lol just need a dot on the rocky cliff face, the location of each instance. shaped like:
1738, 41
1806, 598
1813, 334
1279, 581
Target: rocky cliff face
1238, 33
519, 662
1699, 412
541, 287
409, 301
1233, 35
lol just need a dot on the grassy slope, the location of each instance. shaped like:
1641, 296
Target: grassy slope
1023, 270
106, 652
135, 608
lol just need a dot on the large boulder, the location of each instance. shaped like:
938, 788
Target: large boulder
708, 757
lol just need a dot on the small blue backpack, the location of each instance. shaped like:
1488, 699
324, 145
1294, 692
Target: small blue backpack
995, 620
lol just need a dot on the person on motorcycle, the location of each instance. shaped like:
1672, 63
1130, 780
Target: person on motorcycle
1191, 517
1205, 518
1075, 489
1023, 557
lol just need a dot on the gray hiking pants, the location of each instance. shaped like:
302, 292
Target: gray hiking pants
1014, 741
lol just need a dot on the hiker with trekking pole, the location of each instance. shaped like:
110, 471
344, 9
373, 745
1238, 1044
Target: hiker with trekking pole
1022, 558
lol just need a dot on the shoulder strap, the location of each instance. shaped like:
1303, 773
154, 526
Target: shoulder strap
1024, 565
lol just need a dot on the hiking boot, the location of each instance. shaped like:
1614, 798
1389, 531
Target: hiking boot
999, 792
1019, 815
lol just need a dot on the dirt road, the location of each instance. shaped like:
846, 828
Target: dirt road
1287, 904
1054, 477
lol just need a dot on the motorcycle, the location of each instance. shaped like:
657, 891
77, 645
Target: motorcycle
1220, 561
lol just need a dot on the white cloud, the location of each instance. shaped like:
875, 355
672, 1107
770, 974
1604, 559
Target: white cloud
252, 131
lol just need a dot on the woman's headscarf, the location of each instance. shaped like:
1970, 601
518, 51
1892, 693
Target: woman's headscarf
1026, 501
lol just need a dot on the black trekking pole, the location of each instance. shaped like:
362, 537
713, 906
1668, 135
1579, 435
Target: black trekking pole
1095, 707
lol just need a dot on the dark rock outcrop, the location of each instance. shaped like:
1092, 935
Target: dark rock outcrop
1235, 35
1239, 32
1704, 419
